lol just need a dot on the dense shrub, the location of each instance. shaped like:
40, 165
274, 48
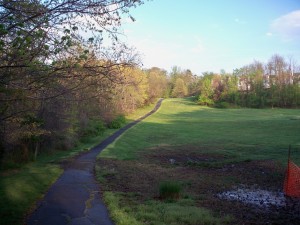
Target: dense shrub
117, 122
203, 100
94, 128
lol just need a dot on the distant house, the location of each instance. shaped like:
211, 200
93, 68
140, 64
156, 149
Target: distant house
244, 82
269, 80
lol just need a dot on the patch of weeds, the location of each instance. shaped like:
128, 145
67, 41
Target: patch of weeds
121, 216
170, 190
154, 212
103, 173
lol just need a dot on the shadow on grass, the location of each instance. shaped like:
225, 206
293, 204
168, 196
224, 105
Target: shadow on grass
20, 189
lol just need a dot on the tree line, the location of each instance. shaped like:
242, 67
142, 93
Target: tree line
258, 85
65, 75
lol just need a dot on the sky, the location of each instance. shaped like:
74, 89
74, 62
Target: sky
210, 35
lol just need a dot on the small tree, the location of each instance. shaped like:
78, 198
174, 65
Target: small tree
180, 89
206, 92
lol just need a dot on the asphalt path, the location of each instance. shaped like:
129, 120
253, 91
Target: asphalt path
75, 199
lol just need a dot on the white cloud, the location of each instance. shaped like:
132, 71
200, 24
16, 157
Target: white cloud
287, 26
269, 34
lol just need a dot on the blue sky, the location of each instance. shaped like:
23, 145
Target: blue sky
210, 35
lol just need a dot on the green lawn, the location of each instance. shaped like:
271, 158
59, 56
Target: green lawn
245, 134
131, 167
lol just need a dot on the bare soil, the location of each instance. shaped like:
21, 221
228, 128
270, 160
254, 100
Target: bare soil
203, 177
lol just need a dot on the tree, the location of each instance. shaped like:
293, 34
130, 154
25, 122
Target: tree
158, 83
46, 58
230, 92
206, 91
180, 89
133, 94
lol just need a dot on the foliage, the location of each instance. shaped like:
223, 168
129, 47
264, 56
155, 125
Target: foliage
183, 83
180, 90
50, 70
117, 123
206, 91
158, 84
275, 84
94, 128
204, 100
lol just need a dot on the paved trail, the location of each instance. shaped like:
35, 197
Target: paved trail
74, 199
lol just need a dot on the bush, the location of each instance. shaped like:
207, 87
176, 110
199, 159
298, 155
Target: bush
117, 122
203, 100
170, 190
94, 128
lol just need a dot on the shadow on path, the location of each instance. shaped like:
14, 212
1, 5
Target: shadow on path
75, 199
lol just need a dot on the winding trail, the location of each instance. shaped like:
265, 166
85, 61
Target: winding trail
75, 199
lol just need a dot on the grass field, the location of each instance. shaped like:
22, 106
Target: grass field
244, 134
205, 150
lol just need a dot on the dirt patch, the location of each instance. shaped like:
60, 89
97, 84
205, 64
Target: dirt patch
203, 177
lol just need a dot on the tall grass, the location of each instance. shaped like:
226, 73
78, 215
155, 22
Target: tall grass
170, 190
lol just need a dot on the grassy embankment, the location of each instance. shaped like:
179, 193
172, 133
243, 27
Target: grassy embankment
213, 149
21, 187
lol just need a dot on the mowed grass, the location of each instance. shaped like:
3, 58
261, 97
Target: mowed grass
238, 135
242, 134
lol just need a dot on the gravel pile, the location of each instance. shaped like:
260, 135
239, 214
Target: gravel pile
268, 200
